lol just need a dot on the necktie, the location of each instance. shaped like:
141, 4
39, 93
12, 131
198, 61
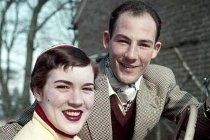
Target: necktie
127, 106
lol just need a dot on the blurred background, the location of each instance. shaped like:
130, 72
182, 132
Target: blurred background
27, 27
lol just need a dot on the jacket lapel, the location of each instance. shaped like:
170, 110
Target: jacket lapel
147, 109
100, 121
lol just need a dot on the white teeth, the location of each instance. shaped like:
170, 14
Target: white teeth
72, 113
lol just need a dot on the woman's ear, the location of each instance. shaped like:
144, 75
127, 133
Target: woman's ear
106, 39
37, 94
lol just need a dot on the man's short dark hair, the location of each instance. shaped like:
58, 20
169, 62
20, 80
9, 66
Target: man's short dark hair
136, 8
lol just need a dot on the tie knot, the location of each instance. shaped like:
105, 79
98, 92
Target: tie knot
127, 106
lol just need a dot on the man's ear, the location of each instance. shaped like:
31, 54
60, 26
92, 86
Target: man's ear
37, 94
157, 47
106, 39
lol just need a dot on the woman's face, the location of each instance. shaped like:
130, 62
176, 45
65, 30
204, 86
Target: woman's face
68, 97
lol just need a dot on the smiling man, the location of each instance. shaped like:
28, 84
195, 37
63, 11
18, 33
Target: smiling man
133, 94
131, 46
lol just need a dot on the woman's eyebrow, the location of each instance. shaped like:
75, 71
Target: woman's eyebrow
63, 81
70, 83
89, 84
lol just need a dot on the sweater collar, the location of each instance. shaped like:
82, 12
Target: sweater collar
42, 115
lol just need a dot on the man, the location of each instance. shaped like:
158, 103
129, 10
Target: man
132, 94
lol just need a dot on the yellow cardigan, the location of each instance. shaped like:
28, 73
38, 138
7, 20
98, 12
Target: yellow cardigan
37, 129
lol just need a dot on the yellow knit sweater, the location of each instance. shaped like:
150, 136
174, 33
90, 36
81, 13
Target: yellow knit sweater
37, 129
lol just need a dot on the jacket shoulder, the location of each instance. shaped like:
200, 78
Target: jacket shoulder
158, 73
8, 131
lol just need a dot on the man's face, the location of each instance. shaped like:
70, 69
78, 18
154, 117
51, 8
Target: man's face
132, 46
68, 97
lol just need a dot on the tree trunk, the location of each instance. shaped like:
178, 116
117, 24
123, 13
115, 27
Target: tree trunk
29, 56
6, 98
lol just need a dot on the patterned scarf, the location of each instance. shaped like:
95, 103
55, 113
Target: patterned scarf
125, 92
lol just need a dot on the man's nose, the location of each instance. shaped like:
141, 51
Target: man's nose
131, 52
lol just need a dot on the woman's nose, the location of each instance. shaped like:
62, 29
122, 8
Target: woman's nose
75, 98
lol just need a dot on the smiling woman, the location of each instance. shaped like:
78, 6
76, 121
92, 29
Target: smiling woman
65, 100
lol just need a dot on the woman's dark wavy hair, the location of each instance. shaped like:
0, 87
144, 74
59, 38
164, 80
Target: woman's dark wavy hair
60, 55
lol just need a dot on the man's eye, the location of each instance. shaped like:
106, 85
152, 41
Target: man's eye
145, 45
122, 41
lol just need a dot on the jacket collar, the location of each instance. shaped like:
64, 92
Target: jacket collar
99, 122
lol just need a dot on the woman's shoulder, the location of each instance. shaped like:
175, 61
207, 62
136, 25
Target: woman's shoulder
25, 132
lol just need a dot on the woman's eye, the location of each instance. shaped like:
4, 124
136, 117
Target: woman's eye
62, 87
88, 89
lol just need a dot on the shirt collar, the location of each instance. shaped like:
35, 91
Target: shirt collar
112, 92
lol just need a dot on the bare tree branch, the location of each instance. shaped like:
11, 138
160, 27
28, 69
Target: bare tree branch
30, 48
10, 45
29, 5
4, 91
49, 16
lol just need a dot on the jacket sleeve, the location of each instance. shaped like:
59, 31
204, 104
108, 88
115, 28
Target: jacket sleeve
9, 130
26, 115
177, 100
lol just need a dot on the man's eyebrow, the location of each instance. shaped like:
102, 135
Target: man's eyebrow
140, 40
122, 35
146, 41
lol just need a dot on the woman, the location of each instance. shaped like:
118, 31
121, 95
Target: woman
62, 82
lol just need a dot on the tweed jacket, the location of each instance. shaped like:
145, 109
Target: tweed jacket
159, 95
